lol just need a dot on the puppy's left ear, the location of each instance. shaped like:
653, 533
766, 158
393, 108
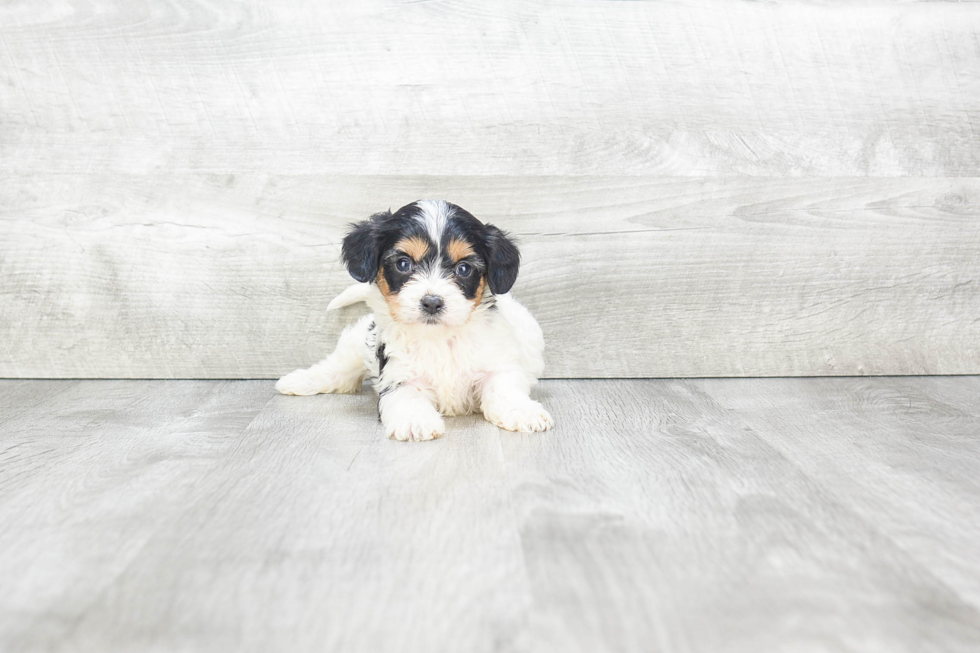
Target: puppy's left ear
360, 248
503, 261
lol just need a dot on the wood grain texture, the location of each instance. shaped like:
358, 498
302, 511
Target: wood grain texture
655, 519
584, 87
730, 515
354, 544
923, 435
87, 477
216, 276
778, 188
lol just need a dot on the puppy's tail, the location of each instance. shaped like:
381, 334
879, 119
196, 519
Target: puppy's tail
352, 295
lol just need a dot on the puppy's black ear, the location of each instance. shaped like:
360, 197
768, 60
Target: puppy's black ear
503, 261
361, 248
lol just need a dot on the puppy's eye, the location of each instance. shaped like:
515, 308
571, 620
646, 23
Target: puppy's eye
403, 265
463, 270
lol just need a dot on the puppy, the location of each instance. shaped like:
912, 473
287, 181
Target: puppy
445, 337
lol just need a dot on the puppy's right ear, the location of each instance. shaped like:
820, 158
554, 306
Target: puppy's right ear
361, 248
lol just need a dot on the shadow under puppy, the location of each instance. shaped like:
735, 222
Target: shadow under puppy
445, 337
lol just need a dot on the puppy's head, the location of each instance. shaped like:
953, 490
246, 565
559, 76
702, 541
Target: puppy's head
432, 261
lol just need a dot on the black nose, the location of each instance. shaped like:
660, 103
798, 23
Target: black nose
432, 304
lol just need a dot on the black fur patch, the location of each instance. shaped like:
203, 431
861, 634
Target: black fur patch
372, 336
498, 254
503, 260
382, 359
369, 248
360, 247
463, 227
402, 224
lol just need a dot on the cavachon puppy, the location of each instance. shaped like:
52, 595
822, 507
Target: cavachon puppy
445, 337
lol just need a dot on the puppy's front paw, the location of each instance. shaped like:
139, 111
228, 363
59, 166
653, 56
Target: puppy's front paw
416, 426
527, 417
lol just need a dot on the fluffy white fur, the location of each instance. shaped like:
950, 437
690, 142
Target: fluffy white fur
487, 364
481, 356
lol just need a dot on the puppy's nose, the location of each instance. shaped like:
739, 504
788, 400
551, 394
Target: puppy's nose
432, 304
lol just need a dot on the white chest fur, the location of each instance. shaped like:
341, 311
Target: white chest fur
451, 365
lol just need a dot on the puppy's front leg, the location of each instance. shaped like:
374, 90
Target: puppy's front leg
408, 414
340, 372
506, 402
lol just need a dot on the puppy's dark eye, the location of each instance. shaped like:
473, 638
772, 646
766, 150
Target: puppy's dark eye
463, 270
403, 265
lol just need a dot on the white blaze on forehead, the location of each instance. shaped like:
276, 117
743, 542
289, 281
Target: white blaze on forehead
434, 214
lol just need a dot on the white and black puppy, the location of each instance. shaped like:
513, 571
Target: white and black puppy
445, 337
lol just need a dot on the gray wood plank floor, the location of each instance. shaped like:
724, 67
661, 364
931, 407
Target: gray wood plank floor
660, 515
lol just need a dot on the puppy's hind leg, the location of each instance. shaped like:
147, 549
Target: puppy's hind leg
340, 372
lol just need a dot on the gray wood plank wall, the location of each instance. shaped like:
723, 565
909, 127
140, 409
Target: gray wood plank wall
700, 189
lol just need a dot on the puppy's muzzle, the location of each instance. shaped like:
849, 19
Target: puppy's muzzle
432, 304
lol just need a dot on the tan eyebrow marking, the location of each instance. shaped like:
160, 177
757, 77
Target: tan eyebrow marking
415, 247
459, 249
